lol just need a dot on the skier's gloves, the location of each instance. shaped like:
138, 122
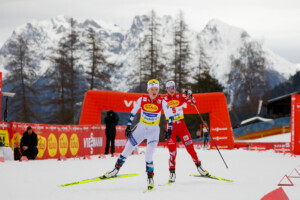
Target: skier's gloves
189, 93
168, 133
193, 101
128, 132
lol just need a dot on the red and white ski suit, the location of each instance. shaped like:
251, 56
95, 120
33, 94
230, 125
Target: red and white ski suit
179, 128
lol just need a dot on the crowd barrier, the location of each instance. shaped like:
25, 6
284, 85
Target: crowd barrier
67, 140
55, 141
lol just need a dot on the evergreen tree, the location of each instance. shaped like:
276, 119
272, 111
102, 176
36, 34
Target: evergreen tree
182, 54
287, 87
141, 82
204, 82
21, 75
73, 45
248, 78
98, 74
58, 86
151, 56
203, 60
64, 79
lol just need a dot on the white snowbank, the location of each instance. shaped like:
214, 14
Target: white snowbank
254, 173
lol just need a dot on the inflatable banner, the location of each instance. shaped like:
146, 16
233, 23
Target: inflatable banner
295, 124
213, 103
0, 92
66, 140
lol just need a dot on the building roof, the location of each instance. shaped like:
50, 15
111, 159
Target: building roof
254, 120
282, 97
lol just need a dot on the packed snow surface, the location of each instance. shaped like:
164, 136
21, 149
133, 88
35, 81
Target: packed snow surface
286, 137
254, 173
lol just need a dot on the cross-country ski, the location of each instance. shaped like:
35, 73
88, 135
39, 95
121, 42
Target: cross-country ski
97, 179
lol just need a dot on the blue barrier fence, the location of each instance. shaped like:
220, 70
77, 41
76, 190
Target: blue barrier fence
262, 126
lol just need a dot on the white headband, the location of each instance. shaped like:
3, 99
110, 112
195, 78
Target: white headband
152, 83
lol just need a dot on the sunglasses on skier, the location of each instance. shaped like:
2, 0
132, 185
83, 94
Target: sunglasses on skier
171, 88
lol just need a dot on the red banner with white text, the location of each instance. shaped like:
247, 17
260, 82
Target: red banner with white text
295, 124
66, 140
0, 92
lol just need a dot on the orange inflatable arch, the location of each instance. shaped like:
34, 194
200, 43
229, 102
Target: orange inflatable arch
213, 103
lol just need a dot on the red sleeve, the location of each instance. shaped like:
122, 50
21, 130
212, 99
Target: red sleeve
185, 99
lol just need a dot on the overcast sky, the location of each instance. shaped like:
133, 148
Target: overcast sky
274, 22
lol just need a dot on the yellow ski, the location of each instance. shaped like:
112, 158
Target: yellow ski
212, 177
97, 179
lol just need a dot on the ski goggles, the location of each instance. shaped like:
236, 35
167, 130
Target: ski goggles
171, 88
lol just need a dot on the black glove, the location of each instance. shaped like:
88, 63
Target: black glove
168, 133
128, 132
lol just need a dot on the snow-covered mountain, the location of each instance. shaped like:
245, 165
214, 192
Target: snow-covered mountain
219, 40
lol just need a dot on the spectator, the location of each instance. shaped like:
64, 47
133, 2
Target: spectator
205, 133
111, 120
29, 144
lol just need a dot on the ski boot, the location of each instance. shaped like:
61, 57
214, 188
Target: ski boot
172, 176
201, 170
112, 173
150, 183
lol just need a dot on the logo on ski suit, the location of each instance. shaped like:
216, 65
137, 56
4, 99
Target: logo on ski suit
151, 112
173, 103
150, 107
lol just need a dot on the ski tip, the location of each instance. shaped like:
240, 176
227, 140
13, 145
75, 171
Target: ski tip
65, 185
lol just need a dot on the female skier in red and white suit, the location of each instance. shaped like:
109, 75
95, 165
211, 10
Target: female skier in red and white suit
176, 101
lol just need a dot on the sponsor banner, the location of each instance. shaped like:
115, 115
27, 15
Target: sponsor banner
295, 124
220, 147
121, 140
4, 137
66, 140
0, 92
257, 148
282, 147
3, 126
221, 133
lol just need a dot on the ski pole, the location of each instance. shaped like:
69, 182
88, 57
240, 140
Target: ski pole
211, 136
134, 127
